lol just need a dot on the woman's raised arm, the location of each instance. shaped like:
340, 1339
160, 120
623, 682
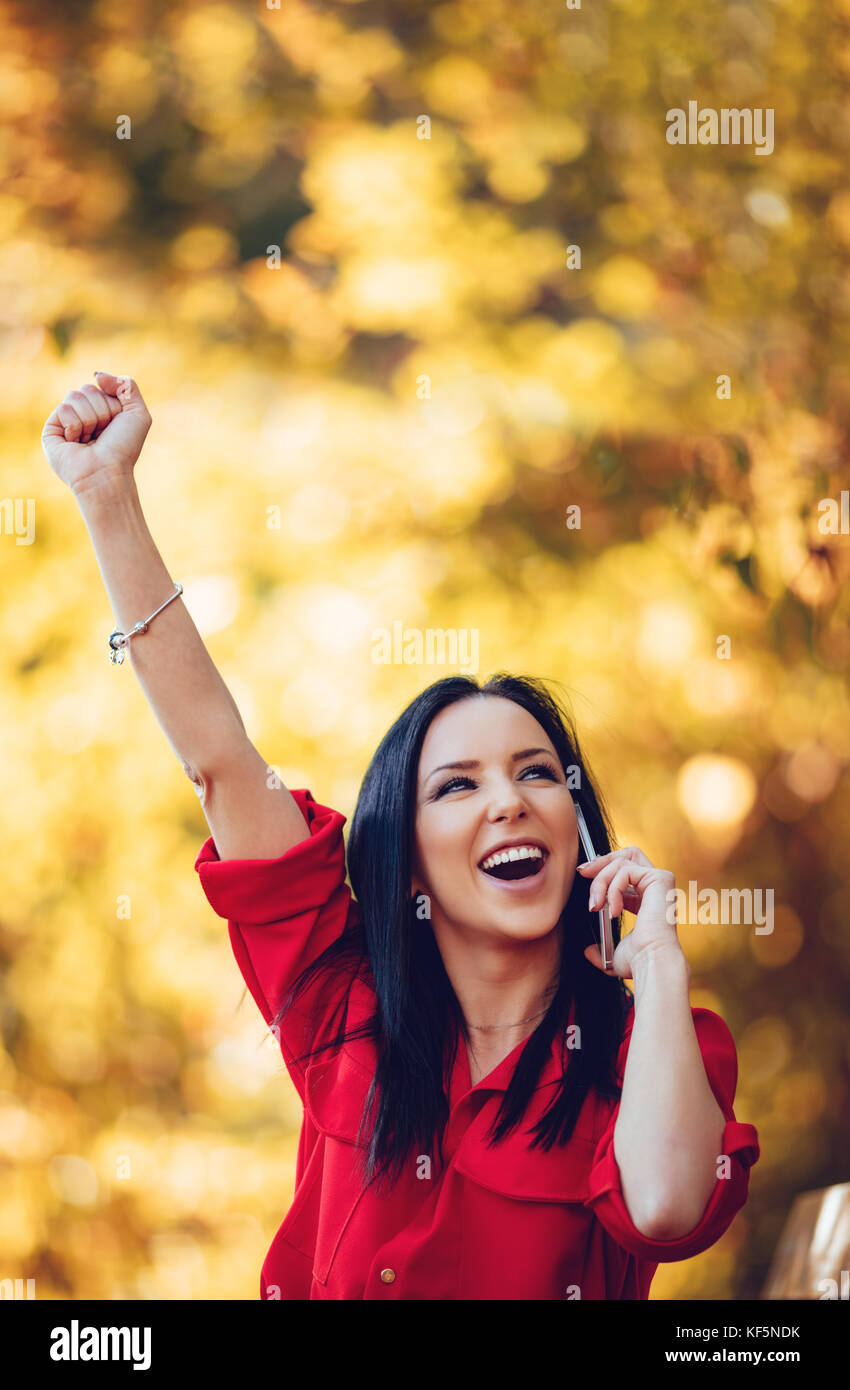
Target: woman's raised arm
92, 441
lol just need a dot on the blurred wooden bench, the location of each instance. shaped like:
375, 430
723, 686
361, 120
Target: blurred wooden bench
812, 1259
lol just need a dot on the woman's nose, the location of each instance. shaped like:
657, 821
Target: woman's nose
506, 801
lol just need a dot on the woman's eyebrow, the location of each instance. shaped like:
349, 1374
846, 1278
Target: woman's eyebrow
473, 762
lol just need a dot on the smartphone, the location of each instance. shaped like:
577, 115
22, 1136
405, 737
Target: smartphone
606, 939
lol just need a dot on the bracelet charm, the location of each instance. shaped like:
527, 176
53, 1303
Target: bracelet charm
118, 640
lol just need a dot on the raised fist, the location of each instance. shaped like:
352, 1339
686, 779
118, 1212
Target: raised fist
96, 434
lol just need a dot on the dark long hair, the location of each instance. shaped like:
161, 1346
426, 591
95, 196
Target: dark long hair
418, 1020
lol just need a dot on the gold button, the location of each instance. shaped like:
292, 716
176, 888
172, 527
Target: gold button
388, 1275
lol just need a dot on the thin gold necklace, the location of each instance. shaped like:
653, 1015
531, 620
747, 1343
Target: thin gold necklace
491, 1027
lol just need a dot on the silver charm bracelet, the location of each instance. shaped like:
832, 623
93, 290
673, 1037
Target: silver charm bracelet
119, 640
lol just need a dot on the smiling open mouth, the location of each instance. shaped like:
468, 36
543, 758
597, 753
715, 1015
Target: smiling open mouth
517, 868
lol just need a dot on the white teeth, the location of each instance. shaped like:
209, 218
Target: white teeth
505, 856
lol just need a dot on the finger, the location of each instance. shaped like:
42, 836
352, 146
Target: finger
616, 891
598, 862
603, 861
108, 383
53, 426
99, 404
125, 388
86, 412
600, 889
72, 425
605, 865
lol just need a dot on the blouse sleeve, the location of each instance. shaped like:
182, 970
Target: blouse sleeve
740, 1144
282, 913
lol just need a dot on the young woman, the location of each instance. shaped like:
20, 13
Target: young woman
488, 1112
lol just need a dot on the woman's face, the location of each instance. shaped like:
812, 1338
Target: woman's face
464, 813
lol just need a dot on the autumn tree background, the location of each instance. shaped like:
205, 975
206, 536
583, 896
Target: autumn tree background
336, 246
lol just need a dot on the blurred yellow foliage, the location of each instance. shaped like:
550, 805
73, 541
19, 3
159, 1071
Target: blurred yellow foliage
339, 256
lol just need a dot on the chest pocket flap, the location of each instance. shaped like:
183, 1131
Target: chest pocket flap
335, 1095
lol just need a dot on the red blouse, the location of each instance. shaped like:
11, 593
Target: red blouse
508, 1222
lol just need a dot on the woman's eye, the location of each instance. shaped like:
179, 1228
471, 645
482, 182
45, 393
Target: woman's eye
453, 783
542, 767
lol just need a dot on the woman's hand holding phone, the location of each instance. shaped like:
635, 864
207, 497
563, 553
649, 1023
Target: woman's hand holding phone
627, 880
